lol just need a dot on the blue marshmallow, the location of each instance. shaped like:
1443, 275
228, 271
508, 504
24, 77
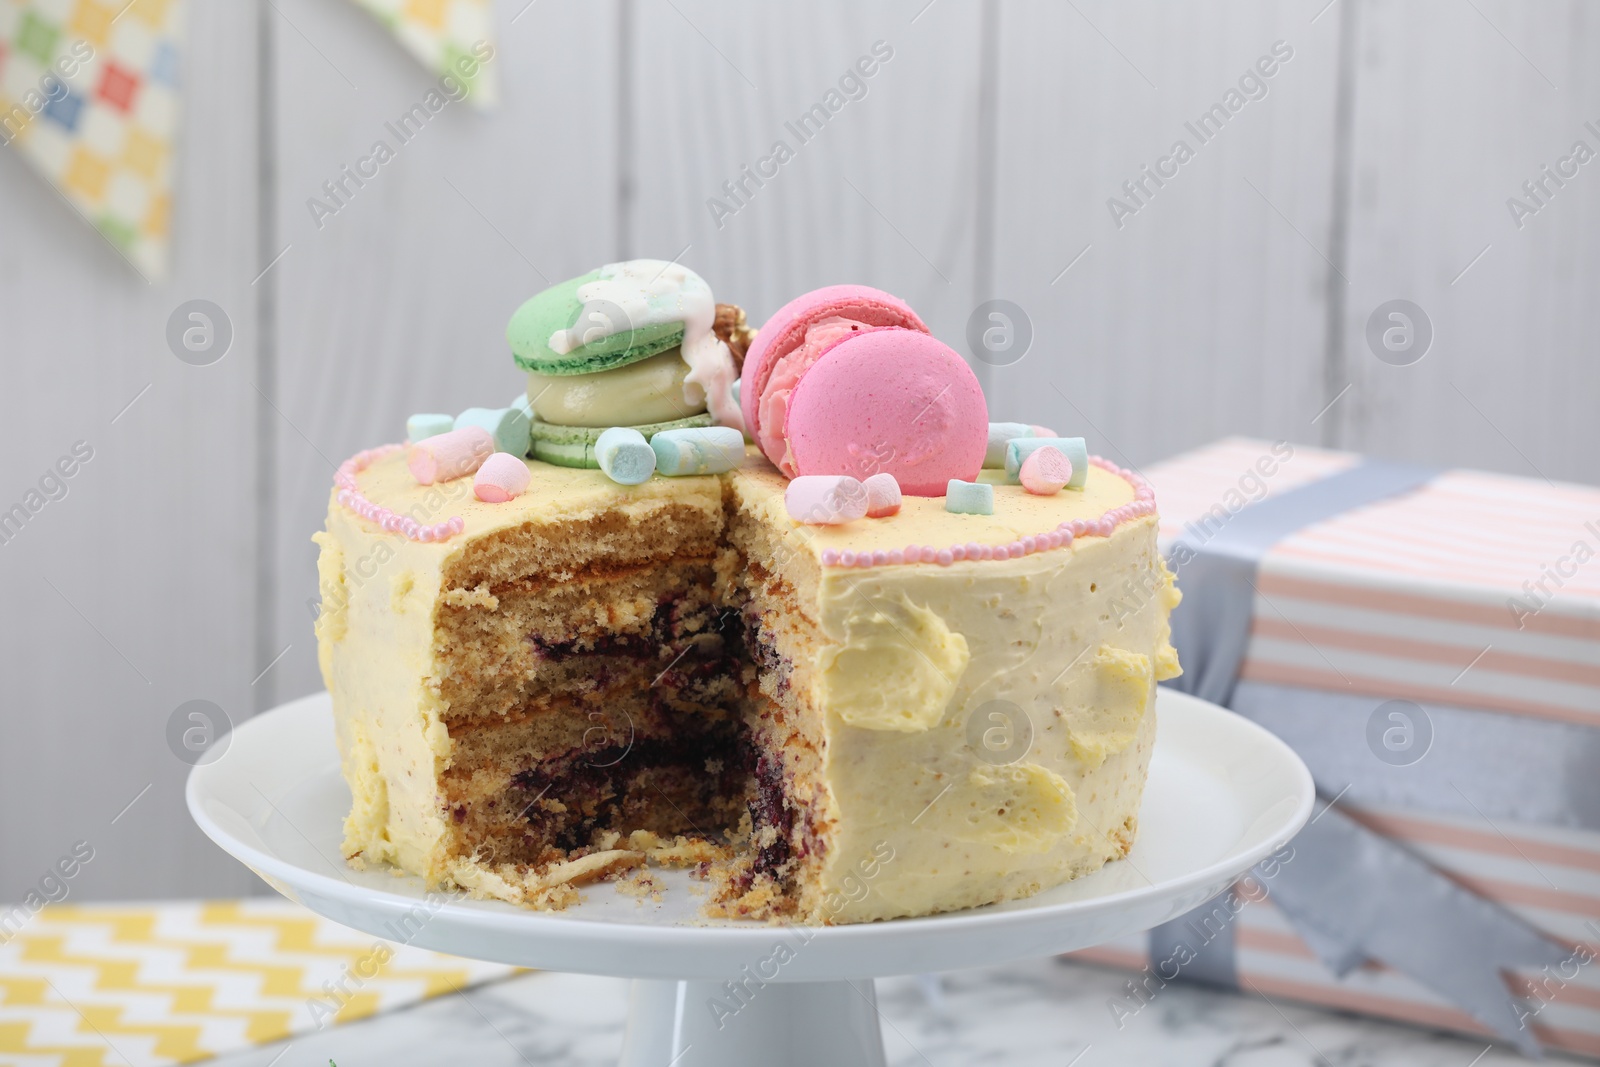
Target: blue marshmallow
698, 450
510, 427
422, 427
1000, 435
625, 455
969, 498
1073, 448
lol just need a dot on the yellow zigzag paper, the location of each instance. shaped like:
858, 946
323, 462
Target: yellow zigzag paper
89, 96
450, 38
175, 983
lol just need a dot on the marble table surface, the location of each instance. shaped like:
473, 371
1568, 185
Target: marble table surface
1043, 1012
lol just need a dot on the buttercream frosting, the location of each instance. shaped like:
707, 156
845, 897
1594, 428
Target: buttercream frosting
652, 390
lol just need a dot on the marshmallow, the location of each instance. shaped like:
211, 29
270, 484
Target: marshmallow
449, 455
825, 499
510, 427
969, 498
1045, 472
1072, 447
883, 495
422, 427
698, 450
502, 477
625, 455
1002, 434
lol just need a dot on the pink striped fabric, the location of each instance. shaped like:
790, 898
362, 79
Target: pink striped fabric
1550, 877
1479, 590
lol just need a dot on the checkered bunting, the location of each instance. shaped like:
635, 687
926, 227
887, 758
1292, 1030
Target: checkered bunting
89, 96
449, 37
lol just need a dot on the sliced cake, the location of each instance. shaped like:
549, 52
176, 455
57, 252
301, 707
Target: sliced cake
831, 715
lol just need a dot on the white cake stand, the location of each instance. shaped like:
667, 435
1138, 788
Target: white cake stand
1223, 794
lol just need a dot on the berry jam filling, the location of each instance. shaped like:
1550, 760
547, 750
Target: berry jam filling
770, 807
684, 784
700, 779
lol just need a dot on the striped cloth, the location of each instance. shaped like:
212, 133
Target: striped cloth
1549, 877
149, 985
1434, 596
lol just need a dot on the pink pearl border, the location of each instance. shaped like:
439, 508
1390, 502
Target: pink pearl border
1143, 503
351, 497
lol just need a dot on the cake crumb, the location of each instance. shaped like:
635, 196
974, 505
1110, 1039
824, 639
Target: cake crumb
553, 898
480, 881
734, 895
477, 597
641, 884
679, 852
588, 868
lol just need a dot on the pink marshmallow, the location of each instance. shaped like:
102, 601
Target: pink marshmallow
883, 495
502, 477
1046, 471
449, 455
825, 500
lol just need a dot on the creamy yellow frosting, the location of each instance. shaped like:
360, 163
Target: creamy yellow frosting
895, 669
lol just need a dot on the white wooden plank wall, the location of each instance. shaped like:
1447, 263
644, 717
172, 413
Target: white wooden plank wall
1456, 107
135, 592
976, 164
1202, 313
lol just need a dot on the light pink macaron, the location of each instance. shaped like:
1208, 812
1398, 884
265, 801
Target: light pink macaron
785, 332
893, 401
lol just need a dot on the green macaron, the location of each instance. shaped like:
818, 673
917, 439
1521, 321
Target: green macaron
558, 308
573, 446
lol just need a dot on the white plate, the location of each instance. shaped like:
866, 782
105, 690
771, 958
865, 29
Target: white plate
1223, 794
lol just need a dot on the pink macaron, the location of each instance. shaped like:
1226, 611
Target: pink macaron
782, 352
890, 400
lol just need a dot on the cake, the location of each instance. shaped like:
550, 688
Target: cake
837, 691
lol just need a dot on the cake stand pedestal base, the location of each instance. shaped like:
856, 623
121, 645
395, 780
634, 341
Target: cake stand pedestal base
741, 1022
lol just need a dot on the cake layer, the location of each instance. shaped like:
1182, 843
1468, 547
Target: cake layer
626, 771
639, 627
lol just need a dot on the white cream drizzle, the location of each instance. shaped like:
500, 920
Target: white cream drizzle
651, 292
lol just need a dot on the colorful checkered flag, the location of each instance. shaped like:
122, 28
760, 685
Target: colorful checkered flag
89, 96
453, 39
